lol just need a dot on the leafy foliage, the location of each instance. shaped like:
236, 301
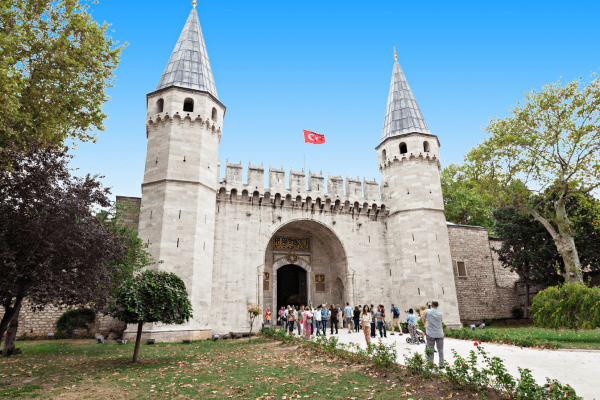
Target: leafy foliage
464, 372
56, 64
573, 306
80, 318
52, 248
549, 145
152, 296
464, 203
489, 335
528, 247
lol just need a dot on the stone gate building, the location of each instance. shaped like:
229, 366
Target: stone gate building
317, 240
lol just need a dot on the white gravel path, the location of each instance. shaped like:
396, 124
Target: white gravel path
578, 368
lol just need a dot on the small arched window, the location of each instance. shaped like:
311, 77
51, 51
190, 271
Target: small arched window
160, 104
426, 147
214, 114
188, 105
403, 148
383, 156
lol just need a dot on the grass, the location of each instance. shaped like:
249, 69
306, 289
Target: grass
567, 337
534, 337
240, 369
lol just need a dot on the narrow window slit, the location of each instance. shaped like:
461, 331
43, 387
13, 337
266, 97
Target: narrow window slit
177, 242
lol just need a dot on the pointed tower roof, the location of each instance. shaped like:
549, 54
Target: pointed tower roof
188, 66
403, 114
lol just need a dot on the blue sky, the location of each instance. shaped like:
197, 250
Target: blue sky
325, 66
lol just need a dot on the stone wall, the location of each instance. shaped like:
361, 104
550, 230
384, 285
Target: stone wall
40, 323
488, 290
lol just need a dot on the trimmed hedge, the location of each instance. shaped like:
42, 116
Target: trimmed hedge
78, 318
572, 306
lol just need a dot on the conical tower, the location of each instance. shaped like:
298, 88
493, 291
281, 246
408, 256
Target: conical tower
183, 127
418, 237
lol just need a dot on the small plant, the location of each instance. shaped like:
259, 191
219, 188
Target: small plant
517, 312
253, 313
78, 318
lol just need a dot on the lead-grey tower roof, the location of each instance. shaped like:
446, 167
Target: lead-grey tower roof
402, 114
188, 66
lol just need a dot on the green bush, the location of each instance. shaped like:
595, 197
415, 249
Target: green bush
493, 336
78, 318
517, 312
572, 306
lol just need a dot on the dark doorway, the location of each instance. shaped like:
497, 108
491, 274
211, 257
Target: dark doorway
291, 286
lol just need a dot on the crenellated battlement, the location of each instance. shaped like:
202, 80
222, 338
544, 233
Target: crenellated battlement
342, 193
203, 123
390, 162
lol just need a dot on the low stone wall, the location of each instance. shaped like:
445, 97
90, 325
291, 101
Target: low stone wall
40, 323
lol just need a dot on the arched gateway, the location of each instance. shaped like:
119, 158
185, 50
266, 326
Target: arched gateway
305, 263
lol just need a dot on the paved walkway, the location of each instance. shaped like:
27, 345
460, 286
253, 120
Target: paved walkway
578, 368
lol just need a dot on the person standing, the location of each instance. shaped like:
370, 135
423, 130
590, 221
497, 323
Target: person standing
318, 318
281, 318
268, 319
435, 332
334, 318
365, 317
290, 318
324, 316
412, 329
373, 320
356, 319
307, 322
395, 319
348, 312
381, 322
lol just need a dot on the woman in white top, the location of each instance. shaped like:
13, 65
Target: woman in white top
318, 319
365, 318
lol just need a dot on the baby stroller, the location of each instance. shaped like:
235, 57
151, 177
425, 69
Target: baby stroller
418, 337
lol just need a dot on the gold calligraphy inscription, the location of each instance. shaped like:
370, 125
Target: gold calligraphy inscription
288, 243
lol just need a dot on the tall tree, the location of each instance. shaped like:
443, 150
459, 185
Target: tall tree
550, 145
464, 202
55, 64
52, 248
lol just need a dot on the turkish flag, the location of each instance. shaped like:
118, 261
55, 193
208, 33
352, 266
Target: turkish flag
314, 138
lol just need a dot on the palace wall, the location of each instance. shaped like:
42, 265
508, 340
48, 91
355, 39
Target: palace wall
488, 290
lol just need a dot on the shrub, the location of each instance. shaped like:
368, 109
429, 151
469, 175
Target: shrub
517, 312
571, 305
78, 318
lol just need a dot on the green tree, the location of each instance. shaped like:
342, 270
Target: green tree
464, 202
550, 145
528, 248
152, 296
55, 64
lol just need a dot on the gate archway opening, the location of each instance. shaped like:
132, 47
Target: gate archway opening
291, 286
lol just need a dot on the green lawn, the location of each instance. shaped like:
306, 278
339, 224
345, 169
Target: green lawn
568, 338
241, 369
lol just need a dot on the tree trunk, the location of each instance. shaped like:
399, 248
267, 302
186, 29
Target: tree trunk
138, 339
566, 244
9, 313
11, 333
527, 300
564, 241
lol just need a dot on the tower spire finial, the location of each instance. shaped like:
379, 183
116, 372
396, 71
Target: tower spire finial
395, 54
194, 3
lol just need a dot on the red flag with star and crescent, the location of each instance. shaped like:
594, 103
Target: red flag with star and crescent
314, 138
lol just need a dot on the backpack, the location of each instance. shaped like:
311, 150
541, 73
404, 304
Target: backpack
396, 312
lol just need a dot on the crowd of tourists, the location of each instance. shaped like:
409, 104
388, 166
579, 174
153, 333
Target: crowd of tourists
368, 319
